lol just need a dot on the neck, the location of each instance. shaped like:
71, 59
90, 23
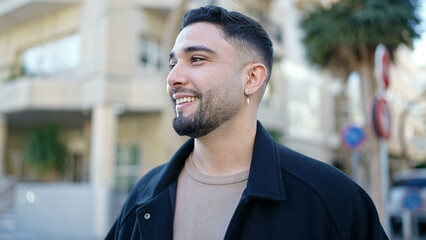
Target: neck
227, 150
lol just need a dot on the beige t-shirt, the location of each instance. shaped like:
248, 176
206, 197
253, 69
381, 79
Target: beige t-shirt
205, 204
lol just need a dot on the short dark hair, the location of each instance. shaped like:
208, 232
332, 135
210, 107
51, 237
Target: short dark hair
235, 26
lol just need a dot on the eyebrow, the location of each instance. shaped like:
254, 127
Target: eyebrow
194, 49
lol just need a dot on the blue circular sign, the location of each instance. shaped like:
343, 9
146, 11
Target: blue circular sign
353, 137
413, 201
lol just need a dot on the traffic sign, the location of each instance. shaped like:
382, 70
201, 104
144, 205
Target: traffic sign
381, 118
353, 137
413, 201
382, 61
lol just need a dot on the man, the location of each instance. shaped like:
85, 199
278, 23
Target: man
231, 180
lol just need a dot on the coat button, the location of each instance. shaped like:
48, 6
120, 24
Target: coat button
147, 216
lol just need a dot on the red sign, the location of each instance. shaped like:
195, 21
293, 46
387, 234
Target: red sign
381, 118
382, 61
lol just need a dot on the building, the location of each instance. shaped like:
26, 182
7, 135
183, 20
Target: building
96, 70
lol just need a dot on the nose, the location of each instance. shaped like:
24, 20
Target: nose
177, 77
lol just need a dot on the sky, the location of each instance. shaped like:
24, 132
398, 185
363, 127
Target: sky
420, 44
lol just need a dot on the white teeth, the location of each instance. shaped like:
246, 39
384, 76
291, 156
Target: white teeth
185, 100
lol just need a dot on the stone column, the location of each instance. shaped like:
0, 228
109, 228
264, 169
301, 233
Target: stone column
103, 144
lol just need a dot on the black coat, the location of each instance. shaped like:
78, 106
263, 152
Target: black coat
288, 196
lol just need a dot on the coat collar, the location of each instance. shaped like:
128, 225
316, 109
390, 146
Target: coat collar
265, 178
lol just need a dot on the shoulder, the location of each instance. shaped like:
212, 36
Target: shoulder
319, 176
331, 185
344, 200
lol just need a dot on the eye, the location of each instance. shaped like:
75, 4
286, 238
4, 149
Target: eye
172, 65
195, 59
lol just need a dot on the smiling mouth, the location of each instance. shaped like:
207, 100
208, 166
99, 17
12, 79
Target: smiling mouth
185, 100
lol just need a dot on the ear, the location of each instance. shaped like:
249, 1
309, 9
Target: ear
256, 76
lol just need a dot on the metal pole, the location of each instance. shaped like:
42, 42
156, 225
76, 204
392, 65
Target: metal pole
384, 164
355, 159
407, 226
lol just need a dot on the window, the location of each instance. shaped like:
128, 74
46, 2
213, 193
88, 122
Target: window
127, 169
304, 98
304, 109
150, 52
52, 57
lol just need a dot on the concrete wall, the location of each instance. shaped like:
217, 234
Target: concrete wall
54, 211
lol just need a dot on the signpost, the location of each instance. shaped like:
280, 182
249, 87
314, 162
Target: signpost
382, 123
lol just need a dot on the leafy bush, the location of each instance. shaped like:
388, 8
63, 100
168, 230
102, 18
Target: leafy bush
44, 151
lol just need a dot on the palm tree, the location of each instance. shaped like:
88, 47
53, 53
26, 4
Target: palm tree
343, 38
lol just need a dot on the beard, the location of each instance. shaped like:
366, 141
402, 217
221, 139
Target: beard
216, 107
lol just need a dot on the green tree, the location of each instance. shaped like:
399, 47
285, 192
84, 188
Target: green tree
44, 151
343, 38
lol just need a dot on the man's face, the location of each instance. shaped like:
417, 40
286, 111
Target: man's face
205, 80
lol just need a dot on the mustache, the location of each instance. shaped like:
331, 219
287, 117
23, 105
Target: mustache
187, 90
